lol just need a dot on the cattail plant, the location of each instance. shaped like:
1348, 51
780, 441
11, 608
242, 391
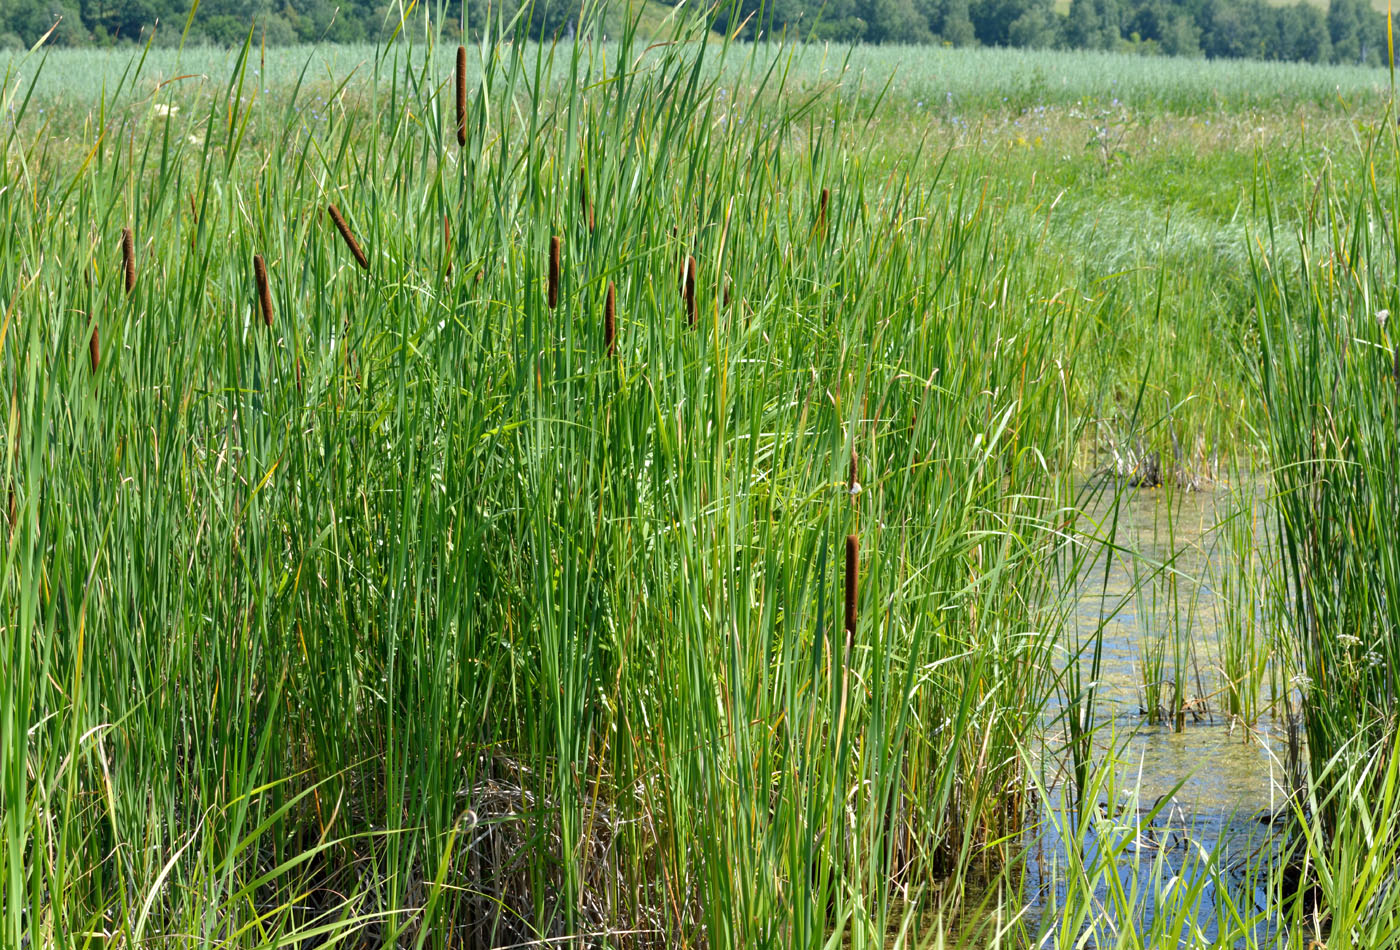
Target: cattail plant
129, 258
350, 241
852, 485
585, 205
264, 293
553, 290
691, 309
610, 319
852, 584
852, 567
94, 350
821, 211
462, 96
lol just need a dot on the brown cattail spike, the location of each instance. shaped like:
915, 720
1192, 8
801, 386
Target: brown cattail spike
585, 205
610, 319
821, 210
692, 311
852, 583
553, 291
851, 479
94, 350
264, 293
350, 241
129, 258
462, 96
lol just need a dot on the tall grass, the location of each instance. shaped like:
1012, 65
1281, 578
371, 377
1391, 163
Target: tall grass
430, 614
1329, 376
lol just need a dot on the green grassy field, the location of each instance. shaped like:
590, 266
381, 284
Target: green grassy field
647, 510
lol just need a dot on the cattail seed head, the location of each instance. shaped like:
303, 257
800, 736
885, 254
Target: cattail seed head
821, 210
852, 583
554, 250
349, 238
851, 481
692, 311
94, 350
129, 258
264, 292
585, 205
610, 319
461, 96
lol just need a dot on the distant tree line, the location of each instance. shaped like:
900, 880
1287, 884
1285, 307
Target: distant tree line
1348, 31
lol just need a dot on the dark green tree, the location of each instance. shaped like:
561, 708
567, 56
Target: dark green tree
947, 21
1036, 28
1344, 29
895, 21
1082, 27
1305, 35
31, 19
992, 20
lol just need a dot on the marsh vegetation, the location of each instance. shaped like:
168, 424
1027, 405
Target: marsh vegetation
700, 494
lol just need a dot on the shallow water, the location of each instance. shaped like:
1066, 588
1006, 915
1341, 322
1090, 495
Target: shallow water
1214, 777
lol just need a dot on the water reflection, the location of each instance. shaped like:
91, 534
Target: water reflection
1180, 817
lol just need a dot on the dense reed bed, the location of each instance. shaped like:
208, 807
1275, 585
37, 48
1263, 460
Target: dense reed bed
587, 495
1329, 374
439, 610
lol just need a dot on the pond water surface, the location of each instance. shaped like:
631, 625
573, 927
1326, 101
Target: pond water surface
1172, 588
